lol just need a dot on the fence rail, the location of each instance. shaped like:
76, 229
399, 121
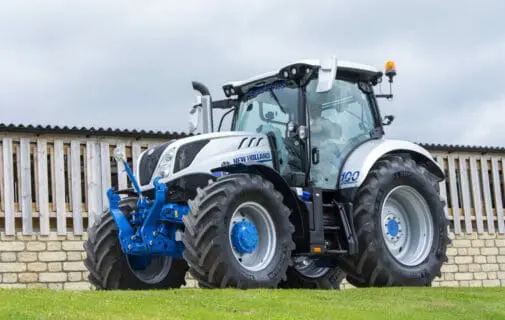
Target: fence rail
58, 183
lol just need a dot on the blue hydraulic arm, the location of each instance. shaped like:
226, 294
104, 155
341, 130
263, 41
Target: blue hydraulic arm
151, 229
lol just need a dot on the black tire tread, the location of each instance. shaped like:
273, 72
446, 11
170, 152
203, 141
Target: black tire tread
204, 222
107, 264
365, 268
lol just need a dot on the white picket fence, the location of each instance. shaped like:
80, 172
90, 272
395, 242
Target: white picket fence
58, 183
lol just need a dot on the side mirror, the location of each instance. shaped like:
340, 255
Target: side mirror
194, 115
326, 75
388, 120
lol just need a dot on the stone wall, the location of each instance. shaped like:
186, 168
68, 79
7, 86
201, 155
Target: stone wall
53, 261
56, 262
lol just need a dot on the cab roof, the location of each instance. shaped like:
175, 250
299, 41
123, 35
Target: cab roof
363, 71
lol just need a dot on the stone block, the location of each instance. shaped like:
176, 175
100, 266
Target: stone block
491, 283
474, 267
74, 256
10, 278
463, 259
54, 266
489, 243
36, 285
476, 283
28, 277
52, 256
12, 246
7, 256
449, 284
27, 256
35, 246
461, 243
72, 246
53, 245
52, 277
480, 275
36, 266
490, 267
478, 243
55, 286
77, 286
449, 268
12, 267
74, 276
12, 285
463, 276
489, 251
74, 266
479, 259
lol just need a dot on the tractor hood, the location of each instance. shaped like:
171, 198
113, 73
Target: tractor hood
200, 154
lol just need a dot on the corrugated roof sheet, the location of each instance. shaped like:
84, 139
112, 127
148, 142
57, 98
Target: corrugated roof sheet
91, 131
175, 135
461, 148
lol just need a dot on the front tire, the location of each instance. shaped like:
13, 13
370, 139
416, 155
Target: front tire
401, 227
110, 269
238, 234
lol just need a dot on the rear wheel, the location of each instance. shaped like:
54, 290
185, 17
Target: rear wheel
401, 226
305, 274
109, 268
238, 234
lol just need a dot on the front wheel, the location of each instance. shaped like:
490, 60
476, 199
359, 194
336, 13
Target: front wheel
238, 234
110, 269
401, 226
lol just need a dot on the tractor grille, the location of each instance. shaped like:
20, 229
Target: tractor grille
148, 162
187, 153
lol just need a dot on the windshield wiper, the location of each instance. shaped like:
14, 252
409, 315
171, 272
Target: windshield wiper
277, 100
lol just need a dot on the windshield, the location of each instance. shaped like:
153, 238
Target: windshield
340, 120
269, 109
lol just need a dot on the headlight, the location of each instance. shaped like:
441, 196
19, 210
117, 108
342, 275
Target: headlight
166, 162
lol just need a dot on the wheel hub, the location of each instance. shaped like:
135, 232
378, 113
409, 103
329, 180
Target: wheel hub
407, 226
252, 236
393, 228
244, 237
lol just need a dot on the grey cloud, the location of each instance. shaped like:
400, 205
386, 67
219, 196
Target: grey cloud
131, 65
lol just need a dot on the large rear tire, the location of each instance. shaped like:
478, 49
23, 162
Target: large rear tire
110, 269
304, 274
401, 227
238, 234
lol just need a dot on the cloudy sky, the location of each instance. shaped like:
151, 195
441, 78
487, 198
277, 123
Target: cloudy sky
129, 64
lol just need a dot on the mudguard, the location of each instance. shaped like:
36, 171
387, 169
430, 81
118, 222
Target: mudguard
362, 159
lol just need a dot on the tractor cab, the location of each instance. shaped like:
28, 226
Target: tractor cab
315, 112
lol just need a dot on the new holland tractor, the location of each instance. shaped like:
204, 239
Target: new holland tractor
302, 192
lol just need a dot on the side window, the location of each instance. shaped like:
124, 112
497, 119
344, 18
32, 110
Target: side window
350, 110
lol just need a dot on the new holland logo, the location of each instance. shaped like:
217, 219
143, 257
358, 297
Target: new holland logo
258, 157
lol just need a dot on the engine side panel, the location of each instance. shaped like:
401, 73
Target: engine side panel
201, 154
364, 157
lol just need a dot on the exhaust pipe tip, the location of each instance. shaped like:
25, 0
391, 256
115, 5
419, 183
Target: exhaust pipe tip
200, 87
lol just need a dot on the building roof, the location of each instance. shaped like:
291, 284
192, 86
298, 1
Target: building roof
39, 129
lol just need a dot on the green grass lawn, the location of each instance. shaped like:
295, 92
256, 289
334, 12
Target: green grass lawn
390, 303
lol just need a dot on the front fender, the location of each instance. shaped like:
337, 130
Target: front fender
362, 159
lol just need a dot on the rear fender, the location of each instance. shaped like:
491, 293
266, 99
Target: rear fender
361, 161
299, 220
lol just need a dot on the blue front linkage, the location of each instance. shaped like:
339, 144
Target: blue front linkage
151, 229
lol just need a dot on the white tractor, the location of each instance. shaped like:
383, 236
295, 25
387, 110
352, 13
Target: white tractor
302, 191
